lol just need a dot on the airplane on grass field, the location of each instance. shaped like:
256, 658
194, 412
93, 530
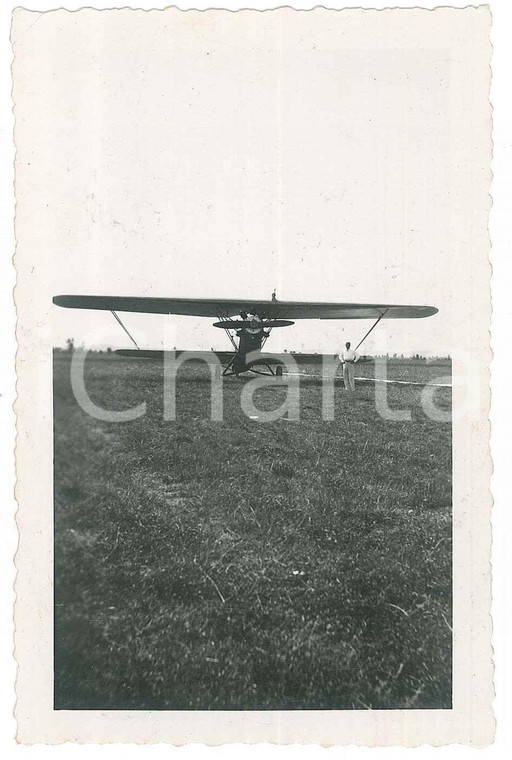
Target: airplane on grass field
247, 323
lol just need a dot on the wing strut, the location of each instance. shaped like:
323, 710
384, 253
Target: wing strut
125, 329
228, 332
371, 328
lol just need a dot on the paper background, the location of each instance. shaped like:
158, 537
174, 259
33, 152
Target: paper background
42, 140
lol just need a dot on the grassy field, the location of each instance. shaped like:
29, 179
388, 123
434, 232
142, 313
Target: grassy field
248, 565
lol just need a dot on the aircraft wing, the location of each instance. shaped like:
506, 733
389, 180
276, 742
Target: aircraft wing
225, 356
159, 354
206, 307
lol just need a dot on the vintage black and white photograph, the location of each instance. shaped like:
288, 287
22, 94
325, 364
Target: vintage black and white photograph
261, 255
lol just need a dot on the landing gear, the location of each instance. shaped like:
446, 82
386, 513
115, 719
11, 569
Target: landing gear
252, 332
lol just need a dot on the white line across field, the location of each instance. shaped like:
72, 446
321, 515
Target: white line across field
375, 380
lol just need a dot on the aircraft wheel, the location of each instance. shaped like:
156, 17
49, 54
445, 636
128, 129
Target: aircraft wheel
279, 370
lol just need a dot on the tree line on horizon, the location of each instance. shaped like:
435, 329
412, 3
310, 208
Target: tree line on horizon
70, 347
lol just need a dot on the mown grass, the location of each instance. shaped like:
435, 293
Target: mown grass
248, 565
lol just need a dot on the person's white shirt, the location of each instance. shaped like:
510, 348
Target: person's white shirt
349, 355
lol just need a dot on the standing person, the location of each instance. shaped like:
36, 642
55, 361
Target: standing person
349, 358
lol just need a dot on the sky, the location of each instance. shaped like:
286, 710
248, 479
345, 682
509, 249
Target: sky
225, 155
